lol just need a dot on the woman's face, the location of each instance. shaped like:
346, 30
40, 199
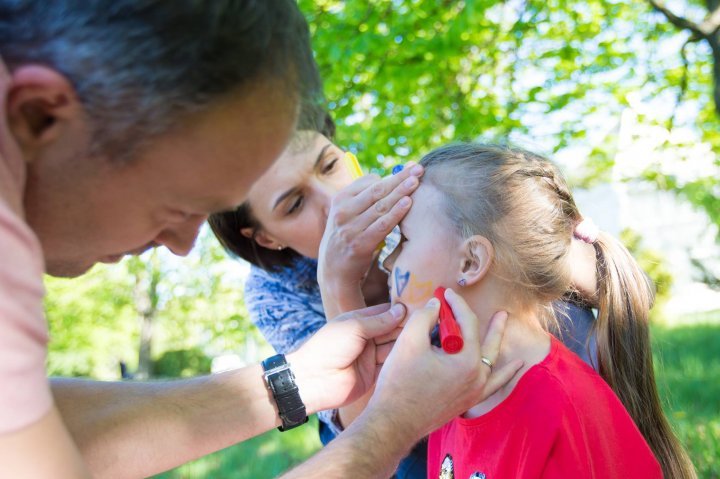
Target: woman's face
428, 255
292, 199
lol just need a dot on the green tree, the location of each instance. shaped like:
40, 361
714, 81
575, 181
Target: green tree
403, 76
144, 307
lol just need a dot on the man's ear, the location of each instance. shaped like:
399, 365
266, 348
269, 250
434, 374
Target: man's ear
261, 238
39, 100
477, 254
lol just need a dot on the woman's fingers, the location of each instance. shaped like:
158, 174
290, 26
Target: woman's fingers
378, 195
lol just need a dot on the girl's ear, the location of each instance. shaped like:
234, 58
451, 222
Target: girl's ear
261, 238
476, 259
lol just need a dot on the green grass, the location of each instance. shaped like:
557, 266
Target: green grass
687, 360
688, 374
268, 455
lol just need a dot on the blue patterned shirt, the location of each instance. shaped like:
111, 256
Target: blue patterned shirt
286, 306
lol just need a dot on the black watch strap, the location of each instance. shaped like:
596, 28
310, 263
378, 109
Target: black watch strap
281, 382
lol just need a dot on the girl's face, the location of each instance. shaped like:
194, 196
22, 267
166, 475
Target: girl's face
429, 254
292, 199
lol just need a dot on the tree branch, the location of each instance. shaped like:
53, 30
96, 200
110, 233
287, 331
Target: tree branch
680, 22
683, 80
711, 24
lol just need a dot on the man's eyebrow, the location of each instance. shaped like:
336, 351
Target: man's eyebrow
282, 197
321, 155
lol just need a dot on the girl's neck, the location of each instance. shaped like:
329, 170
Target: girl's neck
524, 339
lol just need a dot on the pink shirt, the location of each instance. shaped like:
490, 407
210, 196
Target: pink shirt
24, 390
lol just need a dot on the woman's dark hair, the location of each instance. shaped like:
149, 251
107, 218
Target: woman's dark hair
228, 227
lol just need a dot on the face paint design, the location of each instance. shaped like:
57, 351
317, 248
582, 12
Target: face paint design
413, 289
401, 281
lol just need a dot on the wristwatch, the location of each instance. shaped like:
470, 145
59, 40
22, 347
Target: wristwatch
281, 382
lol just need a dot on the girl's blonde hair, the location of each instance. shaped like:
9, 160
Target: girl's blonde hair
522, 205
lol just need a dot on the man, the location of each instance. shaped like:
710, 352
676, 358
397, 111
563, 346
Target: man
124, 124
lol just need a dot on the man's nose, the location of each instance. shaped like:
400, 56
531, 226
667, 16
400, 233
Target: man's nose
180, 237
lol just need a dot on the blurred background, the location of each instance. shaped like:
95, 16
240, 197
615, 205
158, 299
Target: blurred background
625, 96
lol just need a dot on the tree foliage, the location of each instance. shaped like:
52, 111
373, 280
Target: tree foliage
403, 76
196, 302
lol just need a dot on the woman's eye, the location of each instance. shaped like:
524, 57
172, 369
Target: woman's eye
330, 166
296, 205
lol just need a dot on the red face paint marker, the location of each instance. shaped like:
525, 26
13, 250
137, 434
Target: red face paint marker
450, 336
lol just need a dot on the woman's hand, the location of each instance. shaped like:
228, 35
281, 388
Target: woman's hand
360, 218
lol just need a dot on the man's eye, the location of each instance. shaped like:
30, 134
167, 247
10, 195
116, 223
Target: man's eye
179, 216
296, 205
330, 166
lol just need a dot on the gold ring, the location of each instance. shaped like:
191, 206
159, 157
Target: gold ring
487, 361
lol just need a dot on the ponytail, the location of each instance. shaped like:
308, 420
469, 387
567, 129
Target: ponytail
625, 296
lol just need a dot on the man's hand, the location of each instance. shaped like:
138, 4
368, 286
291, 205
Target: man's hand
342, 360
420, 387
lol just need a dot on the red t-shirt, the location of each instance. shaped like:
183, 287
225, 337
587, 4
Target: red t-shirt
561, 421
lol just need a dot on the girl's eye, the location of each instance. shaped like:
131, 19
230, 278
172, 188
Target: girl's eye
296, 205
330, 166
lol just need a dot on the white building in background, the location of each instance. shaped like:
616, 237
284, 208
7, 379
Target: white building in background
666, 223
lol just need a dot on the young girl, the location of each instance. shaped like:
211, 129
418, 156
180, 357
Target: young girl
496, 225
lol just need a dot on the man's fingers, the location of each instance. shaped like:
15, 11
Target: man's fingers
388, 337
491, 345
423, 320
469, 324
380, 324
370, 311
383, 351
500, 377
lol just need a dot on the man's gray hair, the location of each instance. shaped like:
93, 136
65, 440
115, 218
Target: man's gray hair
140, 66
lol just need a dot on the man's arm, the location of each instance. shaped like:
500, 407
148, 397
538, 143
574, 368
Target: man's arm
138, 429
42, 450
135, 429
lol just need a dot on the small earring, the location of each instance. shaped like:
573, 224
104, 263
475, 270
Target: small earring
462, 282
280, 247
